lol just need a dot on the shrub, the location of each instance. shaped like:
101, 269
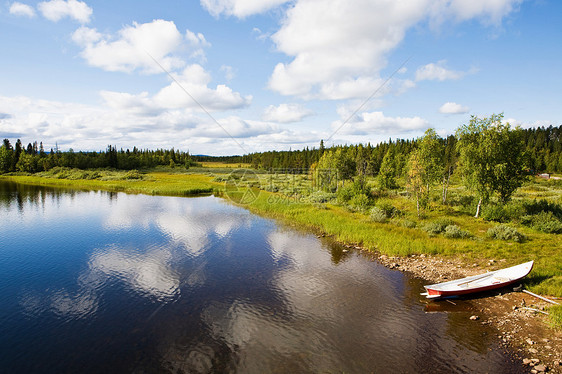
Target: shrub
455, 232
133, 174
220, 178
495, 213
503, 213
345, 194
514, 210
527, 220
504, 232
462, 200
388, 208
63, 174
545, 222
536, 207
91, 175
437, 226
433, 228
321, 197
272, 188
360, 202
378, 215
320, 206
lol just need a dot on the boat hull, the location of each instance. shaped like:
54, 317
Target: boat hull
479, 283
437, 293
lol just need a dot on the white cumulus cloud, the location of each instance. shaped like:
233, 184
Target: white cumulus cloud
132, 120
453, 108
239, 8
235, 127
190, 90
286, 113
55, 10
19, 9
134, 45
339, 47
377, 123
86, 36
194, 79
437, 71
489, 11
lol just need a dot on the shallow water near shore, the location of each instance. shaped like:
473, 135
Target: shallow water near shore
105, 282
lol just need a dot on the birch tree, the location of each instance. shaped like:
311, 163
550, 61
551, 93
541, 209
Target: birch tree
491, 158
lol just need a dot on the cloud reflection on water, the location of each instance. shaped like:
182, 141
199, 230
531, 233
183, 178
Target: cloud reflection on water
148, 270
80, 305
188, 225
322, 306
147, 273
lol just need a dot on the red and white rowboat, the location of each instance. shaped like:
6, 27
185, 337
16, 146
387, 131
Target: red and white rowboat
478, 283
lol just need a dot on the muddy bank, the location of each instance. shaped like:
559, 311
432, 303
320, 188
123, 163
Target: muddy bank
518, 317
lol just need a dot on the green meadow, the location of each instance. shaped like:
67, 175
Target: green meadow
150, 183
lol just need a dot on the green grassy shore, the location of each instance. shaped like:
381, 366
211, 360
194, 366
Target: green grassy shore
395, 240
399, 236
152, 183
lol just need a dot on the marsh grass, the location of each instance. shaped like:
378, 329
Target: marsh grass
155, 183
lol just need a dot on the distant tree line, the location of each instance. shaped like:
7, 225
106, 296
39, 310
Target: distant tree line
543, 148
33, 158
542, 154
491, 158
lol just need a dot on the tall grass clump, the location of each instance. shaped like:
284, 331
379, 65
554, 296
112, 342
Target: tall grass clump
388, 208
504, 232
544, 221
555, 316
360, 202
407, 223
378, 215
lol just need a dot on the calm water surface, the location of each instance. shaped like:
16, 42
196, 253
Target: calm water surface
114, 283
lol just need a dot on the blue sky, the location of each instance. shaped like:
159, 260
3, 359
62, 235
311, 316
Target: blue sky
227, 77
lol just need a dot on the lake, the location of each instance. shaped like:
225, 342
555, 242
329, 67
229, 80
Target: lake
98, 282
